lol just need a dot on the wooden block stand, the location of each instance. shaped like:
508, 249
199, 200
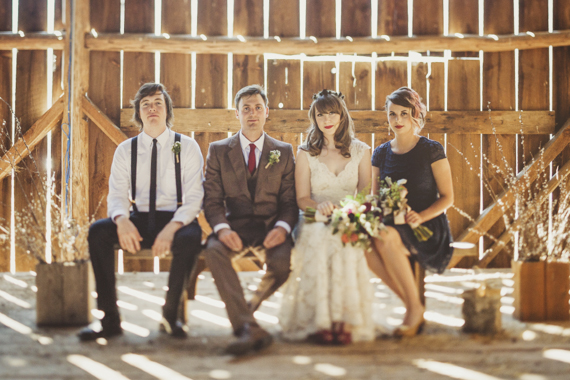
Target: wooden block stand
64, 294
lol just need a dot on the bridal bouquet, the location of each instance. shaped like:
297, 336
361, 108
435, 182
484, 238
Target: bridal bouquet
394, 204
357, 220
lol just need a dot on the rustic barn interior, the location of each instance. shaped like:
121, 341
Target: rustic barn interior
494, 74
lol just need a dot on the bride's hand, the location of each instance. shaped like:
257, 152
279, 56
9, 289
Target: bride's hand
413, 217
325, 208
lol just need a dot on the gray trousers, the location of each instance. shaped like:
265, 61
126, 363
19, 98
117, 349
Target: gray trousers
219, 259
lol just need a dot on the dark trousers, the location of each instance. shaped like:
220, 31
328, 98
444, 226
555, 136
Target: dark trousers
185, 249
219, 260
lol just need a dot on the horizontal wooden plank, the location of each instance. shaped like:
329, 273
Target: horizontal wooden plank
22, 148
505, 200
297, 121
102, 121
31, 41
315, 46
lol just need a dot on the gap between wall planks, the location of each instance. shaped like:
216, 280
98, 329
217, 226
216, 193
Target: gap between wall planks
498, 94
138, 68
31, 103
284, 76
6, 124
464, 74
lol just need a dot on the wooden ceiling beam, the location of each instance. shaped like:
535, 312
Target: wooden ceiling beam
31, 41
321, 46
188, 120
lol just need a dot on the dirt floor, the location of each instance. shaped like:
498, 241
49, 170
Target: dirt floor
522, 351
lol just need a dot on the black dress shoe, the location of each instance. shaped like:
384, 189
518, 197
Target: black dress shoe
93, 333
175, 329
250, 338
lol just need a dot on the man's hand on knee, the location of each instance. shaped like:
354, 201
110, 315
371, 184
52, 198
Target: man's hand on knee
163, 241
230, 239
129, 236
275, 237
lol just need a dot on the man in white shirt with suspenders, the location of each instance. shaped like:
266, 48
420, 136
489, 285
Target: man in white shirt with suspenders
155, 195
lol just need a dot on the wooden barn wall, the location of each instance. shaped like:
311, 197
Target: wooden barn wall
457, 81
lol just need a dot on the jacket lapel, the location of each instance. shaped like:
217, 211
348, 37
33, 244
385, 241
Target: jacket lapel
262, 174
235, 155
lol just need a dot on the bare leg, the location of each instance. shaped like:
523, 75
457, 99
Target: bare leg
377, 266
394, 256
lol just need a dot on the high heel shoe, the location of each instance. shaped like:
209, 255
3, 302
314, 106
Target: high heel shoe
410, 331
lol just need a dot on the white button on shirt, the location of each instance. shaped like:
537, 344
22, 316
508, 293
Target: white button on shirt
244, 142
191, 161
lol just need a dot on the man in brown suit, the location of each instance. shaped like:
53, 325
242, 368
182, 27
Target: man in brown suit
249, 200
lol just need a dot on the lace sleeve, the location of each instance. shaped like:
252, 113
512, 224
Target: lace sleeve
435, 151
358, 149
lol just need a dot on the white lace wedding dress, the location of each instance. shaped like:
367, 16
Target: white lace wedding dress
328, 282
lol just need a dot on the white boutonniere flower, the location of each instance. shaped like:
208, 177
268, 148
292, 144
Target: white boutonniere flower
176, 150
273, 158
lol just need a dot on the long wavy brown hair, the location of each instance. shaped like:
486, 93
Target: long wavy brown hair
324, 102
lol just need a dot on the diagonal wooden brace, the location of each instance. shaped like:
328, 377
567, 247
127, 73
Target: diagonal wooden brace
102, 121
23, 147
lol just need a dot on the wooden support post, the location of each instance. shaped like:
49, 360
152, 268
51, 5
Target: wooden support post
79, 130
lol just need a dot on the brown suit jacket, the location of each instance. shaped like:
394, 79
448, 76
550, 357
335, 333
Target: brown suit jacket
226, 195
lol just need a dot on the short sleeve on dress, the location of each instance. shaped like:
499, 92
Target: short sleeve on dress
358, 149
435, 151
379, 155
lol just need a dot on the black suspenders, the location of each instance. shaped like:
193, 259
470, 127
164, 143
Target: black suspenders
177, 171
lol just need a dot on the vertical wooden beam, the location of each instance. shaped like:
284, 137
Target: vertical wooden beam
31, 103
355, 18
284, 76
392, 18
79, 127
248, 21
104, 77
498, 95
561, 71
321, 19
5, 128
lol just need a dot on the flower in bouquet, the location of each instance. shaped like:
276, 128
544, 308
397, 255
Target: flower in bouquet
357, 219
394, 204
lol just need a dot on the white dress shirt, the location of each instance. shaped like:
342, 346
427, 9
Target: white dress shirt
191, 164
244, 142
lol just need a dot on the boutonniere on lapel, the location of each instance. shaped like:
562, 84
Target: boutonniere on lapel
176, 150
273, 158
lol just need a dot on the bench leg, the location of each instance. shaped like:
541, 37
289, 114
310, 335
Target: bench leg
198, 268
419, 274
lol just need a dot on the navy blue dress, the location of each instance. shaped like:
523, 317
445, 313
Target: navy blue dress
415, 166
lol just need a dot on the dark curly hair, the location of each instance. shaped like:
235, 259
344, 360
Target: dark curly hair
324, 102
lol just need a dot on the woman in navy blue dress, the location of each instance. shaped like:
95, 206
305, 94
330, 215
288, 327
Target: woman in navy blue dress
422, 162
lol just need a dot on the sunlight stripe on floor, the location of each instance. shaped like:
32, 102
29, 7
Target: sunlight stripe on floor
266, 317
452, 371
329, 369
95, 369
15, 281
141, 295
135, 329
560, 355
550, 329
209, 317
152, 368
154, 315
446, 320
126, 305
210, 301
24, 330
15, 300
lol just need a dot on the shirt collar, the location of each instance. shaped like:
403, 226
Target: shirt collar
162, 138
245, 142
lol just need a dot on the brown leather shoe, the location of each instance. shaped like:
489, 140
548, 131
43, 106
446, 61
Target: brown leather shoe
250, 338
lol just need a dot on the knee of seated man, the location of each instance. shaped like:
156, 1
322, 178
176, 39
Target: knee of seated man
99, 230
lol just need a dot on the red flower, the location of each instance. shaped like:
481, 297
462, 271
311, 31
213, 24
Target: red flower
344, 238
368, 206
354, 237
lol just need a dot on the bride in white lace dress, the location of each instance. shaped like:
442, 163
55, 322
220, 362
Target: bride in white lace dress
328, 296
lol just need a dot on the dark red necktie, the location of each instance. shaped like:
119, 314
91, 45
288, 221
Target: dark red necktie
251, 161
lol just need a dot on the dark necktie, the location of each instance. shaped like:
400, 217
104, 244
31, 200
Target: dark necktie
251, 161
152, 196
